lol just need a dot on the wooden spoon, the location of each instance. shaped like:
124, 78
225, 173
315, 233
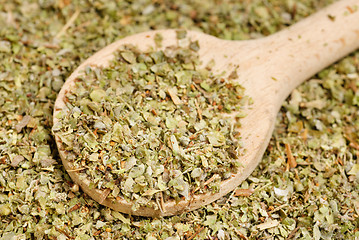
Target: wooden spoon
269, 69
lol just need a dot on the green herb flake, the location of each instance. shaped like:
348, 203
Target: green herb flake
152, 116
43, 42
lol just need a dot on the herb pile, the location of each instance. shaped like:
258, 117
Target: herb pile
153, 123
42, 42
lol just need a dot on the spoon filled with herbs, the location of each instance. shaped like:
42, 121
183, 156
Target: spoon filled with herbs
167, 121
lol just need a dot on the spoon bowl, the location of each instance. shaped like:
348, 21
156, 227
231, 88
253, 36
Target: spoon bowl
268, 68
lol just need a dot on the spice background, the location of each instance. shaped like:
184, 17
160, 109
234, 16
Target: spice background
306, 186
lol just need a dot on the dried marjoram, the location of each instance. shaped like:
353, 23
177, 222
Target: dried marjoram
318, 199
152, 123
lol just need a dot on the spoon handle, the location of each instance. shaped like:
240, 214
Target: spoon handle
313, 44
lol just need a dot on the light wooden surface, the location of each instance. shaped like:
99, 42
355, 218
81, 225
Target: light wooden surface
269, 69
